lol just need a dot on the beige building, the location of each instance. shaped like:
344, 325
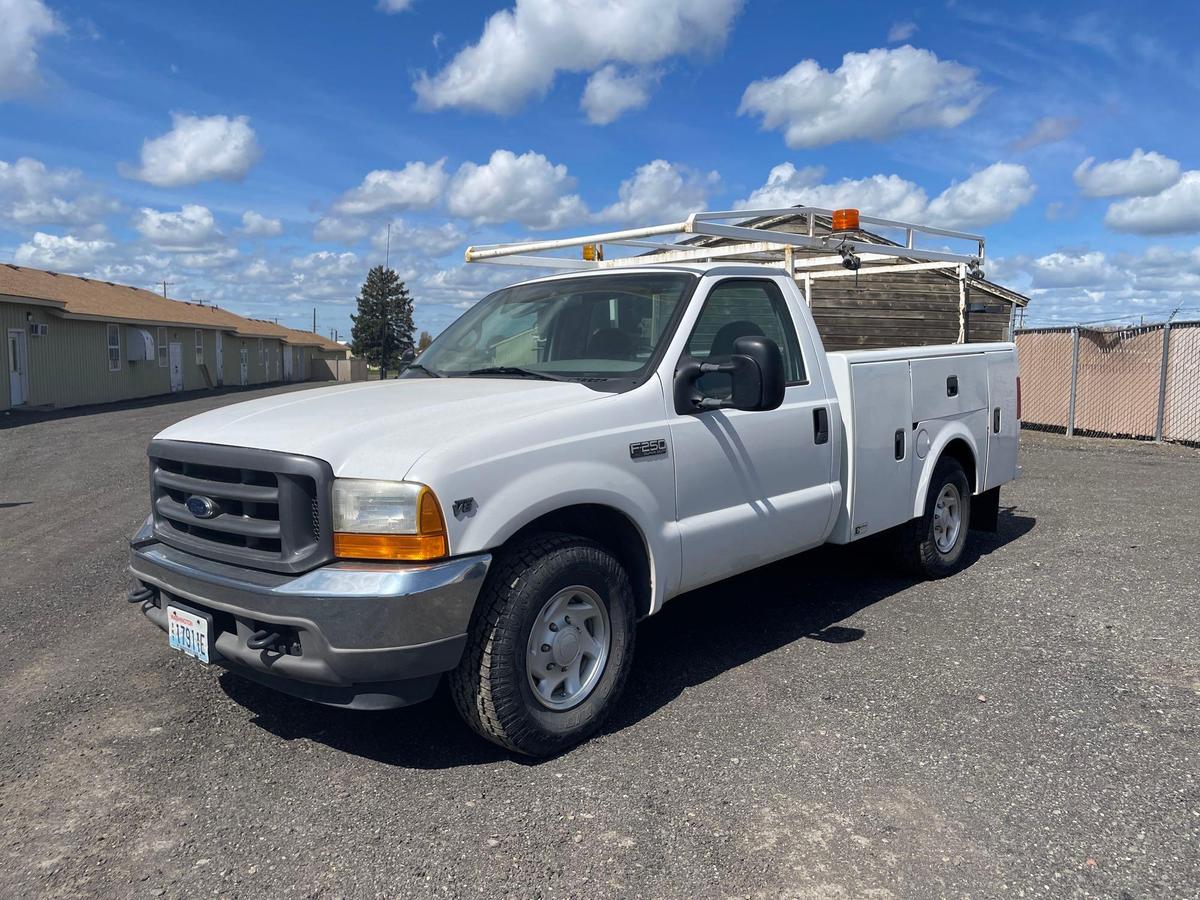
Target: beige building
71, 341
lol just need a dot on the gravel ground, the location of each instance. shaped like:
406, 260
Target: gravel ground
820, 728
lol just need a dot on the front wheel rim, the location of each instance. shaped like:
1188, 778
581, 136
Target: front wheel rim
947, 518
568, 647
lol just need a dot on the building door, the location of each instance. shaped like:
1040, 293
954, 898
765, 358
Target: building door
175, 355
220, 360
244, 366
18, 367
287, 362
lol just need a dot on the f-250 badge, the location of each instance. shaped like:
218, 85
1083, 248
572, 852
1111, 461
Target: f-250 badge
656, 447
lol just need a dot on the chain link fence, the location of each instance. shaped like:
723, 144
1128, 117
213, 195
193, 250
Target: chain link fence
1141, 383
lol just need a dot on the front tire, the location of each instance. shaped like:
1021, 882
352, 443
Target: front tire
550, 647
931, 545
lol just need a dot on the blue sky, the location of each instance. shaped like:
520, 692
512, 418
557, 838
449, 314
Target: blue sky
253, 153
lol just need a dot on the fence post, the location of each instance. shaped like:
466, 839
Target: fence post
1159, 422
1074, 380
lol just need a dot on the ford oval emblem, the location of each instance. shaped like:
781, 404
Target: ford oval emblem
202, 507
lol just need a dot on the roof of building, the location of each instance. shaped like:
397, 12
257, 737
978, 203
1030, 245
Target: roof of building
74, 296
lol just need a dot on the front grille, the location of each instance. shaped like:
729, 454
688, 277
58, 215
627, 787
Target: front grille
253, 507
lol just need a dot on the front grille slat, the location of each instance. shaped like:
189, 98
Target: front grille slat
272, 508
252, 493
243, 525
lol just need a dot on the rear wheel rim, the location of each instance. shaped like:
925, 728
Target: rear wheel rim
947, 518
568, 647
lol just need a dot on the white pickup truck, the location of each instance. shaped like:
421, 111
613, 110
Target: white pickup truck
569, 455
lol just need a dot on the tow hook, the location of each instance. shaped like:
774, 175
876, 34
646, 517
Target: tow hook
140, 594
264, 640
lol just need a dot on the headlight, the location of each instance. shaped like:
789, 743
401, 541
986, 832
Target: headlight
387, 520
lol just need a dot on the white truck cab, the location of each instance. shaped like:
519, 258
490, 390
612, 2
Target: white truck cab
570, 454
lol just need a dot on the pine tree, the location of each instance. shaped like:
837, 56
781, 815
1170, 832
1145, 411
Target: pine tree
383, 327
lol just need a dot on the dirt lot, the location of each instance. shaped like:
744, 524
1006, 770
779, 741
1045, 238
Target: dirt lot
821, 728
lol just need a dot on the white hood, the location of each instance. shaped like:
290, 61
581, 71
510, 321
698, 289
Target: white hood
378, 429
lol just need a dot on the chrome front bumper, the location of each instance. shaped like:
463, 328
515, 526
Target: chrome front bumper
369, 635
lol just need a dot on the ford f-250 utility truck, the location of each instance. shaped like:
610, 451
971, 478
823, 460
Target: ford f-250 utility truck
570, 454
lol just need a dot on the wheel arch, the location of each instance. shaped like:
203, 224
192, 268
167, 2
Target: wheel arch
611, 528
958, 443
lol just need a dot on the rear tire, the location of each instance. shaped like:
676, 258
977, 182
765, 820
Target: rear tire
550, 646
931, 545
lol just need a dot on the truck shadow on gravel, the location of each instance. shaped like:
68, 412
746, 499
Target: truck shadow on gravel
696, 638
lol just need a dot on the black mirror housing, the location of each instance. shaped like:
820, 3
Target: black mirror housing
755, 369
768, 360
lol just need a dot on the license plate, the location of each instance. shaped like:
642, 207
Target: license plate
188, 632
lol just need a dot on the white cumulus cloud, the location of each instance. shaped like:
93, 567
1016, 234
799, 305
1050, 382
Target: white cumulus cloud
191, 228
988, 196
196, 149
528, 189
1141, 175
872, 95
340, 230
610, 93
660, 191
1086, 285
1175, 210
260, 225
210, 259
23, 24
1061, 270
523, 49
60, 253
327, 262
31, 193
417, 240
417, 186
888, 196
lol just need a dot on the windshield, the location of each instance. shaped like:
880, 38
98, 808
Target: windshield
602, 327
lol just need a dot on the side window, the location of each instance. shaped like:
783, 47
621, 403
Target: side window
743, 308
162, 347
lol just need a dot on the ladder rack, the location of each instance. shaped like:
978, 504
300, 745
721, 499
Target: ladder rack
838, 253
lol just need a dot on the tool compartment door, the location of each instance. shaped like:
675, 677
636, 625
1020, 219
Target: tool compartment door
882, 471
1003, 427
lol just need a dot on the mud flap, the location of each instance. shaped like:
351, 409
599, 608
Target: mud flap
985, 510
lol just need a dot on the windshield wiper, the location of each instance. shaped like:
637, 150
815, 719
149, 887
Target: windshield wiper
516, 370
425, 369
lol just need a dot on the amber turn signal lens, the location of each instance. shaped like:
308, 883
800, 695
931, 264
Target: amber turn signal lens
429, 514
845, 220
406, 547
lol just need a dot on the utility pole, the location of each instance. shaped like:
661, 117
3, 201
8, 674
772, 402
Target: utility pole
314, 320
165, 284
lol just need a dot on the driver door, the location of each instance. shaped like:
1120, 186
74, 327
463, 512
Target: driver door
751, 487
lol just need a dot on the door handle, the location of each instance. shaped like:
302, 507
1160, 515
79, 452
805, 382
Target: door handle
820, 425
952, 386
899, 443
996, 420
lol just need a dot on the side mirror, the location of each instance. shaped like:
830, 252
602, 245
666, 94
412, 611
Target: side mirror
755, 370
